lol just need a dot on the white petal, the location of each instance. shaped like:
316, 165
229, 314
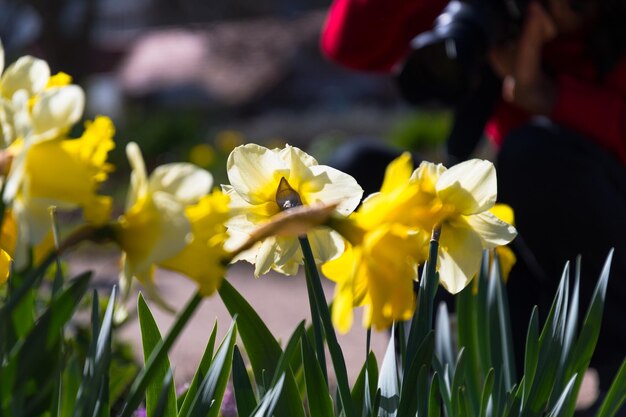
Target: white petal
265, 257
27, 73
329, 185
470, 186
173, 233
1, 57
326, 244
428, 174
186, 182
58, 109
253, 170
139, 178
460, 252
491, 230
297, 156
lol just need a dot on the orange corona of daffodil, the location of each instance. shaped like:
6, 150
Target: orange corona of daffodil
264, 182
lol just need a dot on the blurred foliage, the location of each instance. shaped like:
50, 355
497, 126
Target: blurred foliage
426, 130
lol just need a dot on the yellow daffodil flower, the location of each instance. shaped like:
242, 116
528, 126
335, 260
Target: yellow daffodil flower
264, 182
378, 268
505, 254
458, 200
171, 222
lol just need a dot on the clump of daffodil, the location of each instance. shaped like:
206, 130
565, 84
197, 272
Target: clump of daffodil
172, 222
265, 182
60, 172
389, 237
458, 200
379, 266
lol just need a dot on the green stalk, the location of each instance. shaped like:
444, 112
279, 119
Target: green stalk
336, 355
317, 330
138, 389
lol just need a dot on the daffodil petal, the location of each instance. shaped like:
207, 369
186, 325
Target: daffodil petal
27, 73
5, 266
254, 172
326, 244
427, 174
460, 251
139, 177
1, 57
329, 185
469, 186
57, 109
186, 182
397, 173
504, 212
265, 257
491, 230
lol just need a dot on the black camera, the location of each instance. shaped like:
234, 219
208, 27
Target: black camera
447, 63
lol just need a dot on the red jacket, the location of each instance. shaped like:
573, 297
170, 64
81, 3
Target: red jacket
374, 35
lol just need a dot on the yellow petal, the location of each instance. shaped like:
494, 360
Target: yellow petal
469, 186
27, 73
5, 266
139, 177
427, 174
460, 251
504, 212
397, 173
491, 230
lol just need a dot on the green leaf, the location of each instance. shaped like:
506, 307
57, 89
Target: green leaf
531, 355
210, 393
150, 338
616, 396
364, 388
138, 388
443, 339
93, 394
319, 400
270, 400
244, 394
434, 401
388, 382
287, 355
34, 352
163, 405
69, 388
486, 394
566, 397
262, 349
203, 368
408, 404
457, 383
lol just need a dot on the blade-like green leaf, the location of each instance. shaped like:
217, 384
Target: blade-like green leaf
270, 400
531, 355
262, 349
364, 388
408, 404
443, 340
163, 406
486, 394
319, 400
138, 388
434, 398
210, 393
244, 394
203, 368
287, 355
616, 396
69, 388
388, 382
150, 338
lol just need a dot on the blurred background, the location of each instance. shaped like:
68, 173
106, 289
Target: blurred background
191, 79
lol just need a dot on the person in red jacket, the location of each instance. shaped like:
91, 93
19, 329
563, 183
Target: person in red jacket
560, 129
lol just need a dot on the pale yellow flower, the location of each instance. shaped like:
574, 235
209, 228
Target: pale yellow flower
460, 199
505, 254
264, 182
171, 222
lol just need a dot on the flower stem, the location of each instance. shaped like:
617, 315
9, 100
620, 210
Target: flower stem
137, 390
336, 355
317, 328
